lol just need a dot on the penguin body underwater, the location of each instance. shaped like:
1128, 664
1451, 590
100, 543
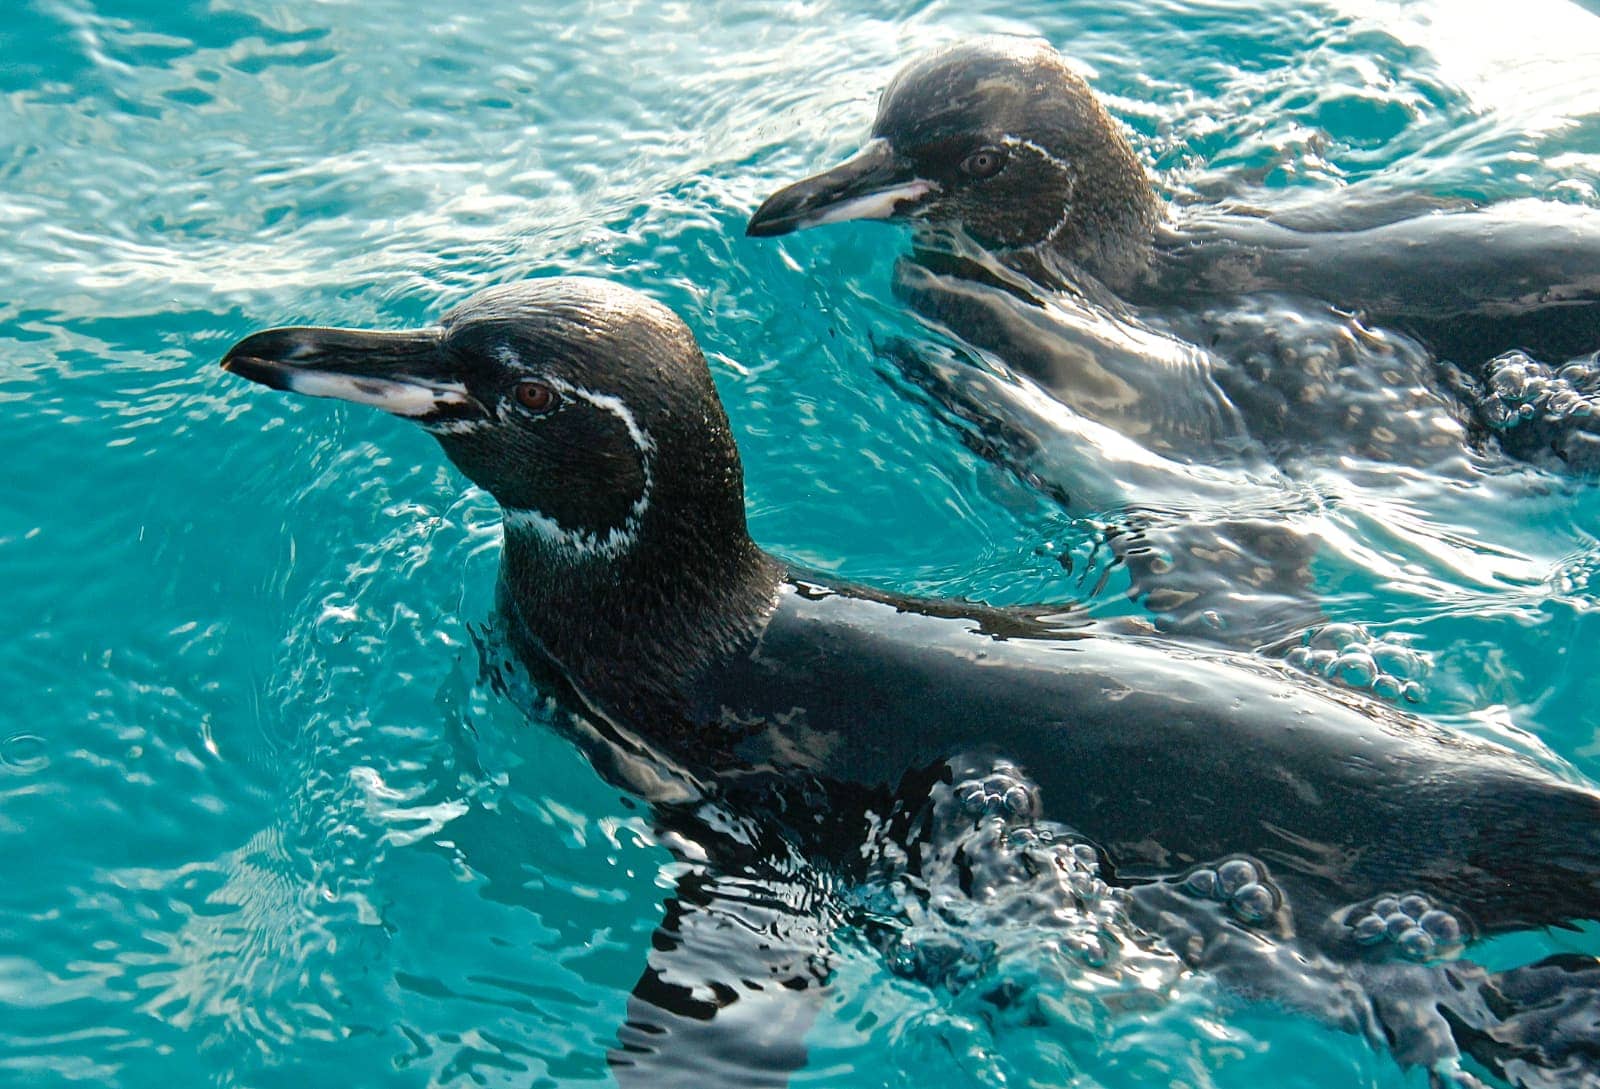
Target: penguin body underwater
1299, 843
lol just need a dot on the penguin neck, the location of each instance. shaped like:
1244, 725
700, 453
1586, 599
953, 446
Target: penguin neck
1108, 224
1111, 237
635, 633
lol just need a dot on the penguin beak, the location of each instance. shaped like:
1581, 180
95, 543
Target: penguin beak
876, 184
405, 373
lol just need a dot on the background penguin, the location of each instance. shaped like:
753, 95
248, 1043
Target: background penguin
793, 735
1209, 336
1000, 138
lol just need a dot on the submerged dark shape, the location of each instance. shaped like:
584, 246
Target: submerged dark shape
790, 733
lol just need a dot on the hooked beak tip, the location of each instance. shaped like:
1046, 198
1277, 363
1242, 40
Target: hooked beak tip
398, 372
764, 224
264, 372
877, 183
799, 206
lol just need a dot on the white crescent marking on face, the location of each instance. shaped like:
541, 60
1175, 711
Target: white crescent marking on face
587, 543
1055, 161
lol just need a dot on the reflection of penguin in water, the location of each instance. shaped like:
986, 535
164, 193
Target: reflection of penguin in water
1193, 332
1317, 849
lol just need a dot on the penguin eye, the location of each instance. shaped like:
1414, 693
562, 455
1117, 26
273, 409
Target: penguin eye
537, 397
984, 163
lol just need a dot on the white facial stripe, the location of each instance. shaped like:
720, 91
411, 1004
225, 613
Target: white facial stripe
1055, 161
879, 205
584, 543
1059, 163
608, 545
612, 404
400, 398
1066, 214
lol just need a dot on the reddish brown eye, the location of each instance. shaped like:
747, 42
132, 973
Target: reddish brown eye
536, 396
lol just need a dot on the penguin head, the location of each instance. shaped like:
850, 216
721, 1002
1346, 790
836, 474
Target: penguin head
586, 409
996, 136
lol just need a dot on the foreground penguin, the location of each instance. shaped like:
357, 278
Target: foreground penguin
1000, 141
1304, 846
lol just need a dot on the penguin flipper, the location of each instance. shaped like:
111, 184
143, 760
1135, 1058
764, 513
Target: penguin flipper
1469, 283
1538, 1026
1535, 1027
1081, 347
736, 973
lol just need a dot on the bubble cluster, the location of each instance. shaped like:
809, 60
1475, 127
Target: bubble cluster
1314, 381
1350, 655
938, 956
1413, 924
1537, 407
1004, 793
986, 890
1238, 884
1519, 388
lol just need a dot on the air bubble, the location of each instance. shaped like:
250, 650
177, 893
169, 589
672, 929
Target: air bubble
1016, 801
1254, 903
1234, 875
1442, 925
1355, 668
1337, 637
1416, 944
1202, 883
1369, 930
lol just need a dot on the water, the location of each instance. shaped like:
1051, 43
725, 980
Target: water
259, 822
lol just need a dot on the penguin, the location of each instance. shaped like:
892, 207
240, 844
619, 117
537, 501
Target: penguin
1167, 353
1000, 138
791, 733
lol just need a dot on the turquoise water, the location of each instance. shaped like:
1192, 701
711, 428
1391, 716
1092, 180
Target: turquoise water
261, 825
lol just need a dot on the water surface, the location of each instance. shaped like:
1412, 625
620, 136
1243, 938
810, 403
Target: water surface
260, 823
